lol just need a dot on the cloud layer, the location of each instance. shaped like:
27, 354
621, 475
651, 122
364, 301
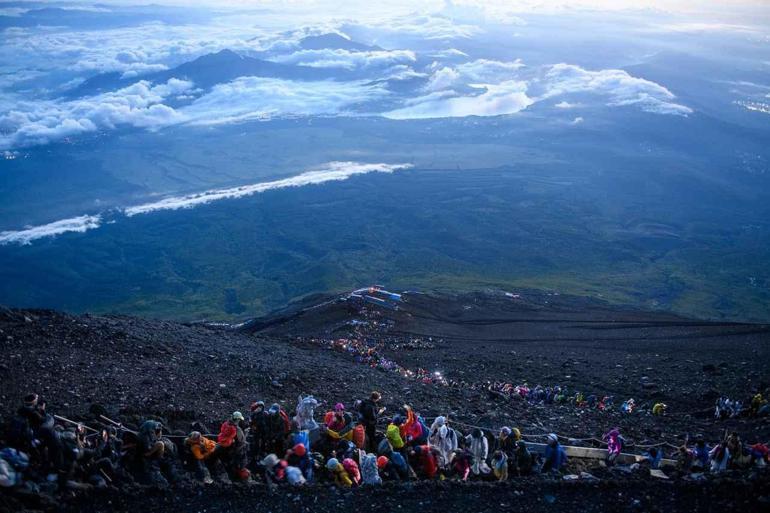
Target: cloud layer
329, 172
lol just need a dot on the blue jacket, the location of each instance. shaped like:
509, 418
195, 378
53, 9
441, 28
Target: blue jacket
555, 457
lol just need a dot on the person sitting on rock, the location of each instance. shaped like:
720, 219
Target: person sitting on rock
479, 448
273, 469
460, 463
158, 466
202, 450
524, 460
554, 457
339, 423
33, 430
614, 446
659, 409
443, 438
298, 457
702, 454
719, 457
370, 474
413, 431
338, 473
425, 461
499, 465
654, 456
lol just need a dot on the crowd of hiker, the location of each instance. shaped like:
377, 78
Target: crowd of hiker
348, 446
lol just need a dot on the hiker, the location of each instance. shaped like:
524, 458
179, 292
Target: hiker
338, 473
506, 443
393, 436
202, 450
33, 430
702, 454
257, 431
413, 431
369, 470
479, 448
659, 409
298, 457
524, 459
654, 456
443, 439
500, 465
719, 457
155, 453
555, 456
370, 413
628, 406
460, 463
273, 469
339, 423
614, 446
278, 427
760, 455
351, 467
425, 461
231, 446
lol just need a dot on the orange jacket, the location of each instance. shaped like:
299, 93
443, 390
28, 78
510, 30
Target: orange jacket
202, 449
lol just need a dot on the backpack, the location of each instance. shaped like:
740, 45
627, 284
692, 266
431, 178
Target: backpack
359, 436
286, 421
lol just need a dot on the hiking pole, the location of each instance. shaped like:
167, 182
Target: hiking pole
117, 424
64, 419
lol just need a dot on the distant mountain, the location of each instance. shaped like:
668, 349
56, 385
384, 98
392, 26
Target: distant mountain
211, 69
334, 42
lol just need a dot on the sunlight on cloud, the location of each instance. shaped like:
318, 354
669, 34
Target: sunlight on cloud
263, 98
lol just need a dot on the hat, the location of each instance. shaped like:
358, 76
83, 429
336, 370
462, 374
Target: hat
339, 407
398, 420
257, 404
375, 396
332, 464
517, 433
476, 433
275, 408
270, 461
440, 420
506, 430
553, 437
382, 462
237, 415
299, 450
195, 435
30, 399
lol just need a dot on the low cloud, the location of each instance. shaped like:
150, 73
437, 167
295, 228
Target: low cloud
79, 224
345, 59
263, 98
621, 88
329, 172
139, 105
492, 100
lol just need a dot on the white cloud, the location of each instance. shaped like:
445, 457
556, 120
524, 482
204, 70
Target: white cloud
480, 70
566, 105
138, 105
79, 224
330, 172
621, 88
577, 120
340, 58
262, 98
493, 100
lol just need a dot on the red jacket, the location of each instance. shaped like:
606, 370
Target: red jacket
428, 461
227, 433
